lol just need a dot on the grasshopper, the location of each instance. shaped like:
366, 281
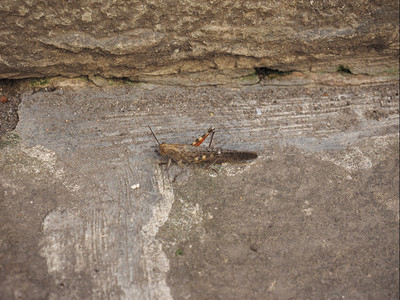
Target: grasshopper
193, 154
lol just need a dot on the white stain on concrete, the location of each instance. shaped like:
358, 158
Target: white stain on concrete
43, 162
156, 262
362, 156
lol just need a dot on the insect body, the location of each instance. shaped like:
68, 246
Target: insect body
193, 154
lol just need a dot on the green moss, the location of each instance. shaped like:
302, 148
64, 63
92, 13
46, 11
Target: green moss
10, 139
390, 71
39, 82
82, 78
249, 79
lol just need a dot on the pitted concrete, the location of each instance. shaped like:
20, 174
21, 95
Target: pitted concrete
88, 212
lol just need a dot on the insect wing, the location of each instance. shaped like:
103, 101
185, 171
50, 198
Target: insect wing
195, 154
235, 156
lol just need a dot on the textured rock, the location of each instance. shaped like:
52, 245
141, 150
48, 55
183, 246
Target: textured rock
145, 39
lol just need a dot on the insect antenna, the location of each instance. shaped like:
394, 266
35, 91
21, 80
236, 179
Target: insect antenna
154, 135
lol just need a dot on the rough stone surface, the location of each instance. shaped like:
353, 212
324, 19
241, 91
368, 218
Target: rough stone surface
314, 217
154, 41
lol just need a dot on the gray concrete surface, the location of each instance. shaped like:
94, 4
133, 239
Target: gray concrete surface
314, 217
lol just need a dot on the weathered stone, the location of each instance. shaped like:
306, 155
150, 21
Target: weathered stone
98, 80
147, 38
315, 216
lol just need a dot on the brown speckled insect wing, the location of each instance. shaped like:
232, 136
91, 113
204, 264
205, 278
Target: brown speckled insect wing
232, 156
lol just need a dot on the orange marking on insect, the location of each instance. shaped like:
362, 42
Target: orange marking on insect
201, 139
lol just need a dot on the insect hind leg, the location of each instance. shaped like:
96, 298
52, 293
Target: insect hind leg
211, 139
201, 139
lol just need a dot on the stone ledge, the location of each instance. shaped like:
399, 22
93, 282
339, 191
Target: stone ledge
145, 38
